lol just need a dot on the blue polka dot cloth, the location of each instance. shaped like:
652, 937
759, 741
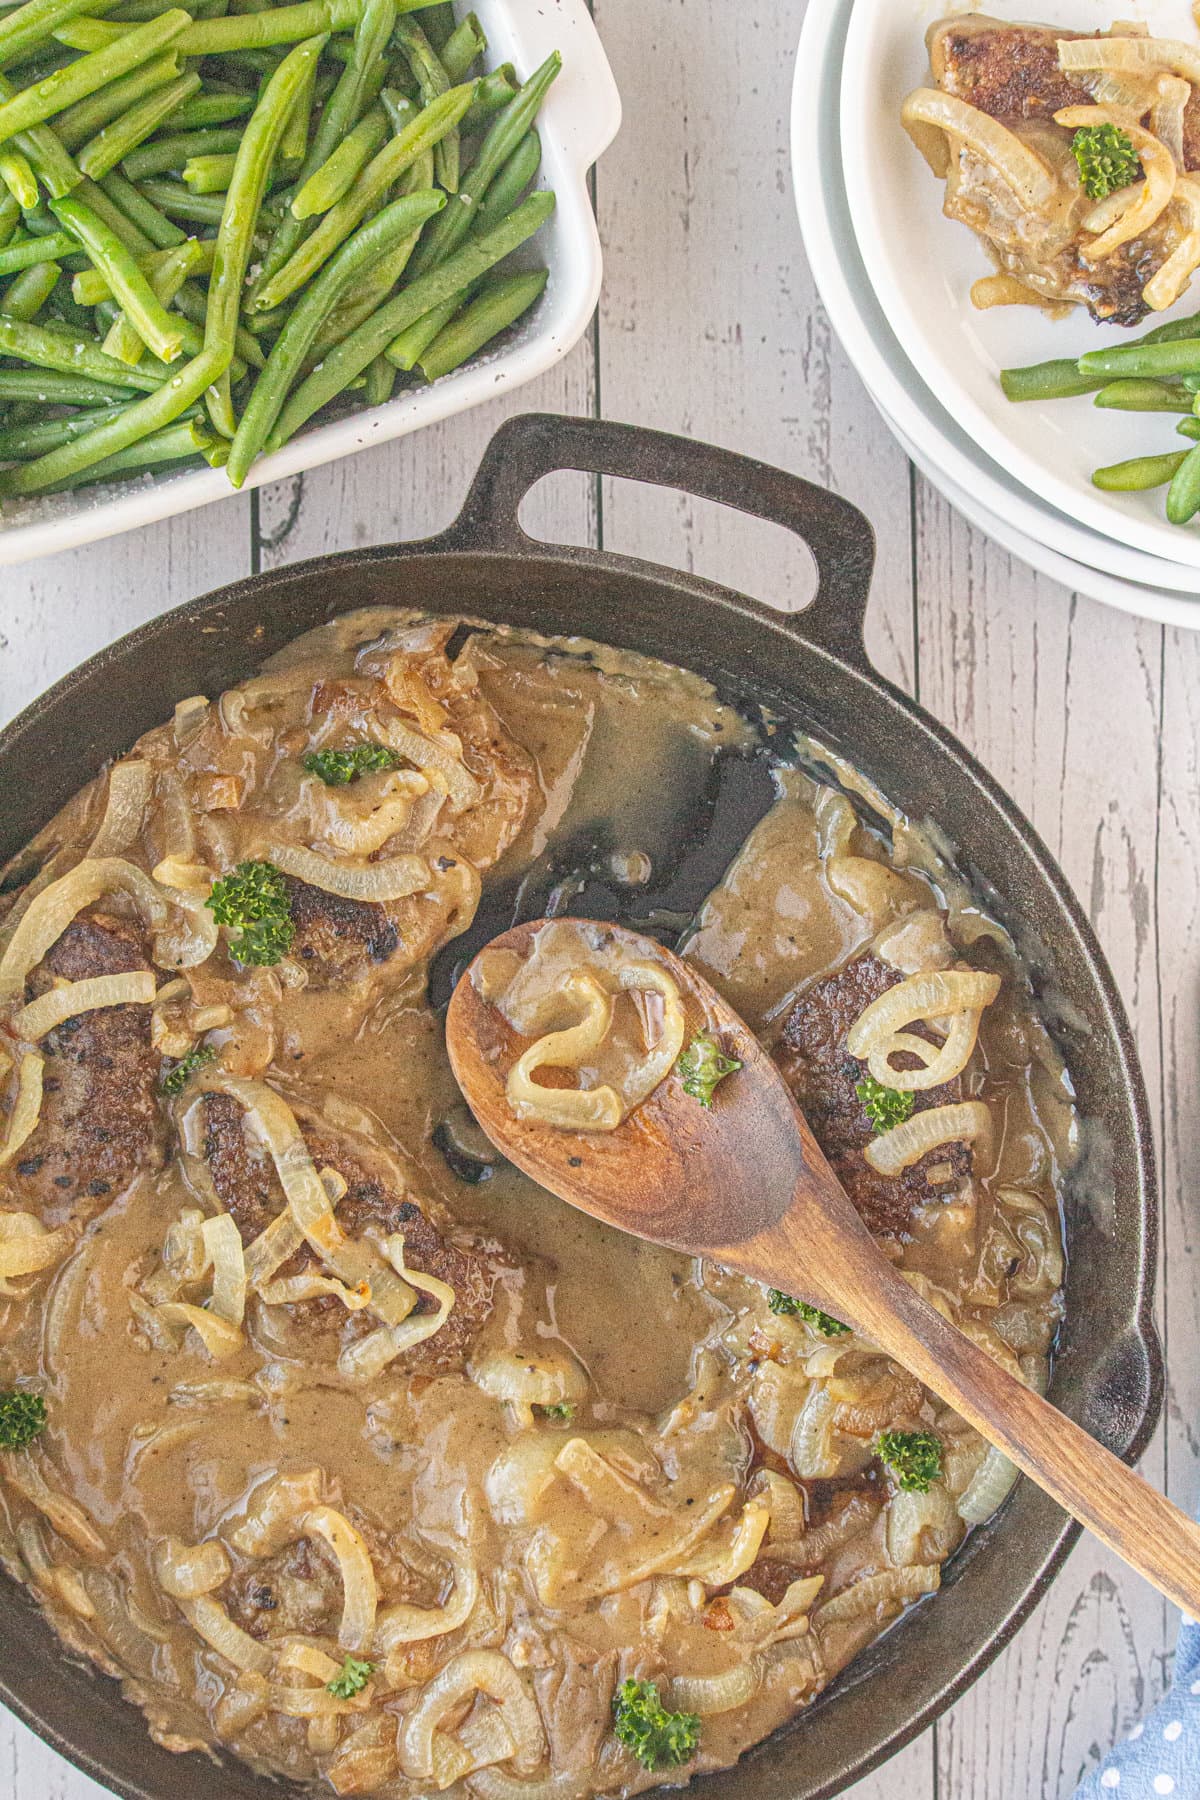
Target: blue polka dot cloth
1162, 1754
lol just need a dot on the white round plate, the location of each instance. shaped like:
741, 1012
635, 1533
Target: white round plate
922, 266
863, 328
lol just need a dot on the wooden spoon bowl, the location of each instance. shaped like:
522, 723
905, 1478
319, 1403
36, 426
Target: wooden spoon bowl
745, 1183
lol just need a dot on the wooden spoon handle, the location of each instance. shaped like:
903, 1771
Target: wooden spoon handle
1114, 1503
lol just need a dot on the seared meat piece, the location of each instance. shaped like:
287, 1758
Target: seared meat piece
101, 1122
246, 1183
822, 1074
1010, 71
339, 940
298, 1589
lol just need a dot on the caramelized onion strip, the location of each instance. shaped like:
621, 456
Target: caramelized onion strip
187, 1571
27, 1106
378, 882
1169, 280
210, 1621
360, 1590
223, 1244
401, 1624
1146, 200
964, 1121
129, 785
1026, 174
48, 916
137, 987
26, 1247
469, 1673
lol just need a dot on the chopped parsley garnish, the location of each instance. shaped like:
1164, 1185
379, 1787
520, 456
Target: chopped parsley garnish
914, 1457
787, 1307
658, 1738
1106, 157
22, 1416
702, 1065
176, 1079
558, 1409
253, 904
337, 767
352, 1680
884, 1106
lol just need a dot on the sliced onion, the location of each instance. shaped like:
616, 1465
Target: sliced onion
411, 693
468, 1673
307, 1659
274, 1507
530, 1378
366, 1760
434, 761
191, 715
223, 1242
129, 785
707, 1694
726, 1557
137, 987
315, 1702
894, 1587
965, 1121
1169, 280
73, 1593
1129, 55
67, 1517
811, 1452
988, 1488
1146, 200
360, 820
608, 1490
598, 1109
26, 1107
786, 1503
495, 1784
26, 1247
48, 916
187, 1571
368, 1357
1026, 174
1007, 290
379, 882
188, 886
762, 1624
361, 1592
293, 1290
939, 993
483, 1737
921, 1526
1172, 94
218, 1336
401, 1624
210, 1621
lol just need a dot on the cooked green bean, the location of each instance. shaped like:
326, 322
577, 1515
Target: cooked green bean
50, 388
499, 304
1189, 428
294, 143
89, 34
115, 141
1183, 495
374, 240
31, 25
381, 381
377, 284
152, 226
208, 174
1139, 473
25, 296
212, 109
36, 250
425, 131
510, 184
83, 120
326, 186
1057, 380
465, 45
493, 94
18, 178
401, 111
1134, 394
1179, 358
438, 23
409, 346
19, 442
1172, 329
175, 442
279, 25
168, 154
432, 82
33, 105
111, 198
70, 356
89, 287
130, 288
124, 340
348, 360
178, 202
45, 153
192, 302
503, 137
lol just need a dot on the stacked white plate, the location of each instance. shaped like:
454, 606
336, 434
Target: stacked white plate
895, 277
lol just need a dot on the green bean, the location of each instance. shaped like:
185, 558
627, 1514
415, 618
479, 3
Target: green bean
438, 22
493, 94
432, 82
49, 388
33, 105
25, 296
83, 120
381, 380
69, 355
1057, 380
1191, 383
398, 154
409, 346
401, 111
110, 199
45, 153
1141, 395
1183, 495
399, 220
378, 283
90, 287
1173, 329
255, 157
130, 288
32, 24
448, 232
10, 218
1139, 473
212, 109
326, 186
208, 174
339, 116
510, 184
294, 144
89, 34
353, 354
1179, 358
175, 442
19, 442
279, 25
169, 153
113, 142
500, 303
465, 45
18, 178
192, 302
125, 340
180, 203
36, 250
1189, 428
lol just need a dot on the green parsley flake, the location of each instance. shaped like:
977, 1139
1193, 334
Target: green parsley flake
658, 1738
787, 1307
352, 1680
252, 903
22, 1416
914, 1457
337, 767
176, 1079
884, 1106
704, 1064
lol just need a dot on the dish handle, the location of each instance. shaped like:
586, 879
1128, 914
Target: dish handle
838, 535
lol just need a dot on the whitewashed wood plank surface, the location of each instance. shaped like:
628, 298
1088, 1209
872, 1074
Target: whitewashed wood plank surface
710, 325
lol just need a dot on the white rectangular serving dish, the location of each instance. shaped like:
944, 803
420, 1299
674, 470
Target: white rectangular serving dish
579, 119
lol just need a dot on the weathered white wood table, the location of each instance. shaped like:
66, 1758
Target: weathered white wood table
710, 325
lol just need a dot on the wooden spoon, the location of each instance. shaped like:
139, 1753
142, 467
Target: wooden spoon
746, 1184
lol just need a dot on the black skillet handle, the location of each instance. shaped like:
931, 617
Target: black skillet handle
537, 444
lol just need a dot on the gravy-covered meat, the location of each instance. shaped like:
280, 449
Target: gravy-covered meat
247, 1186
101, 1119
824, 1076
338, 939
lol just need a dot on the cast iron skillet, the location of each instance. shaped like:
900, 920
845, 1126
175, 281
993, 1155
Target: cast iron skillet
814, 669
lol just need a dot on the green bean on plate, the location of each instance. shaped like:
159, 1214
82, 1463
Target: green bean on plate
1158, 372
220, 226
